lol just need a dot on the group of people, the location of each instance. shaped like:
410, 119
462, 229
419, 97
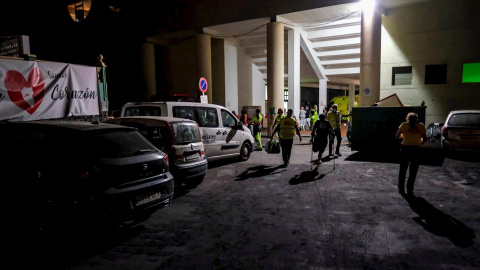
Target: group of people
326, 127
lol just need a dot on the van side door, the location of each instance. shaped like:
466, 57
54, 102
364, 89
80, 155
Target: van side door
229, 123
207, 120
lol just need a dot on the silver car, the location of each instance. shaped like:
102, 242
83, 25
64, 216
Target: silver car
461, 131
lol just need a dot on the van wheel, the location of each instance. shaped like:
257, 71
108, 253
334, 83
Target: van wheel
245, 151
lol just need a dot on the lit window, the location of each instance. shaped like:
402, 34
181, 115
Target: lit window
402, 75
79, 9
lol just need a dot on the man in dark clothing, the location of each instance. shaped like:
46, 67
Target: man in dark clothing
320, 132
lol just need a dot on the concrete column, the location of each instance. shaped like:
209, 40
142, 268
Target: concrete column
275, 67
219, 71
370, 51
322, 95
148, 69
204, 62
351, 96
294, 71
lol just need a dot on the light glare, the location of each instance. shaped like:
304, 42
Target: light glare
367, 5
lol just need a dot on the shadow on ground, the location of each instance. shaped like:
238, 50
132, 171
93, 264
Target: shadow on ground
259, 171
466, 156
222, 162
439, 223
429, 156
311, 175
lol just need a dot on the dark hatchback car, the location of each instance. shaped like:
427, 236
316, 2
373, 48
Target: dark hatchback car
63, 172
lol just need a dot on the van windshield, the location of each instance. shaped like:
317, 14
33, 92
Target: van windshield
185, 132
143, 111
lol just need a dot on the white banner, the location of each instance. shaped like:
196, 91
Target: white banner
32, 90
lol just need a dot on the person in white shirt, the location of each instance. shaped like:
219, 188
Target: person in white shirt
302, 118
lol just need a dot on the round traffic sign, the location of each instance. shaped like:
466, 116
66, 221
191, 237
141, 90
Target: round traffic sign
203, 85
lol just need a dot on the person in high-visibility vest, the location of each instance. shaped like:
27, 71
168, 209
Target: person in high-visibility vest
313, 119
279, 116
287, 127
257, 128
334, 117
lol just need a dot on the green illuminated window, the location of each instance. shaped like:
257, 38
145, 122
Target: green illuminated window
471, 73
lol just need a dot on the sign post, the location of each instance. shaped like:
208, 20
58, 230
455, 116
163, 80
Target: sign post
203, 85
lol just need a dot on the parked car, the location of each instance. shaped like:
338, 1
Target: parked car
179, 138
62, 172
222, 133
461, 131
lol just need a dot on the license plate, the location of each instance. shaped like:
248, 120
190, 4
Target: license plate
470, 138
148, 197
194, 156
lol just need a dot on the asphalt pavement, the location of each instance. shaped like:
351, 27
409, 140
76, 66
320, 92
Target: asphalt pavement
345, 214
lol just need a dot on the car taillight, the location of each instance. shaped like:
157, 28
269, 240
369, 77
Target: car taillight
202, 153
445, 132
165, 159
201, 140
84, 174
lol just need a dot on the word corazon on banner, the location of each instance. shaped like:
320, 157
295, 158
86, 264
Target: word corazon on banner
45, 90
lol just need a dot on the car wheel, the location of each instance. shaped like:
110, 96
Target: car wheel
245, 151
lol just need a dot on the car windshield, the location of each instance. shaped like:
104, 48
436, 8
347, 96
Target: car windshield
465, 120
143, 111
116, 144
185, 132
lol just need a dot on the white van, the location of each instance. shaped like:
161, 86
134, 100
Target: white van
222, 133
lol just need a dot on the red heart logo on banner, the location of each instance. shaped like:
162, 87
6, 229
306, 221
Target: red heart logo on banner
15, 82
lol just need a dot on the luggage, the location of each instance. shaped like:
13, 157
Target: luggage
272, 147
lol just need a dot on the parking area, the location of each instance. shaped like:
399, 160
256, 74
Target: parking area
347, 214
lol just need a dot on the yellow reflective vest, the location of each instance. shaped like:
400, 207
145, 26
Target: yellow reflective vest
287, 128
257, 119
278, 117
334, 119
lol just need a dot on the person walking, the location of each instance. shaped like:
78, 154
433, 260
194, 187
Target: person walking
334, 117
320, 132
257, 128
349, 129
302, 118
279, 116
244, 118
414, 135
313, 119
307, 118
287, 128
315, 109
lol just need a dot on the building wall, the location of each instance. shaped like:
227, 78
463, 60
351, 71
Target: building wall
245, 79
430, 33
258, 88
